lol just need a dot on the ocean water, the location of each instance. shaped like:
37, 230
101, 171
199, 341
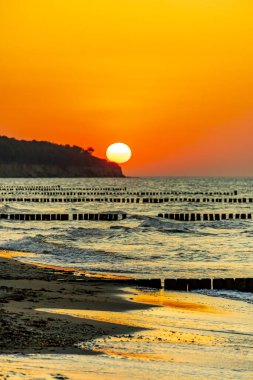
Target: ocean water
143, 245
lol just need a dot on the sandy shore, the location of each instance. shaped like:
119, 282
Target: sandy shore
56, 323
27, 287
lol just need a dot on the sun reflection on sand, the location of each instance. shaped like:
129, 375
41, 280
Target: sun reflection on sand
160, 327
163, 298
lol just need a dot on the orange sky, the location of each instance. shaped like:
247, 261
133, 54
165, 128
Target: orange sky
171, 78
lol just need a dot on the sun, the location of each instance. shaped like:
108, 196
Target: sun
118, 153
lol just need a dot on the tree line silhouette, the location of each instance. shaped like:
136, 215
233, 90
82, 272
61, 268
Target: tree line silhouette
47, 154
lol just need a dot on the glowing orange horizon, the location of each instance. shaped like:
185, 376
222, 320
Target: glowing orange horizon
172, 79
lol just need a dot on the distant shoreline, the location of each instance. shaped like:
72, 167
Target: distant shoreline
43, 159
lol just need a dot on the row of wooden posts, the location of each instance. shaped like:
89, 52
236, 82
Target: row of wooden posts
240, 284
71, 200
61, 193
120, 216
184, 284
115, 193
59, 187
192, 217
64, 217
198, 200
31, 187
127, 200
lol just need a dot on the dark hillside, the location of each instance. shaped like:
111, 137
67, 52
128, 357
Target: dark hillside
20, 158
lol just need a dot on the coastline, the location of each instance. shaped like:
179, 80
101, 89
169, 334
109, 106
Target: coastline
54, 326
25, 287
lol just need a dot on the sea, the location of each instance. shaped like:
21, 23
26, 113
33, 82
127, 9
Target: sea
143, 245
176, 342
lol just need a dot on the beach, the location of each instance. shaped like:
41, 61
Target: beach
59, 324
26, 287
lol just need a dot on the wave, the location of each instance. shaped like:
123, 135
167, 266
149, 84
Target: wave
6, 209
229, 294
53, 247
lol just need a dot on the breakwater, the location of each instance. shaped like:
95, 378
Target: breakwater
190, 284
193, 217
71, 199
64, 217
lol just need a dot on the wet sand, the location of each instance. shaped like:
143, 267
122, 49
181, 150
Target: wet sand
27, 287
54, 326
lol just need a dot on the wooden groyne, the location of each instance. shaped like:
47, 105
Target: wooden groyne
190, 284
56, 187
198, 200
192, 217
71, 199
64, 217
154, 283
116, 191
182, 284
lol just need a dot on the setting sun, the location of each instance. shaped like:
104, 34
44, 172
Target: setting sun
118, 152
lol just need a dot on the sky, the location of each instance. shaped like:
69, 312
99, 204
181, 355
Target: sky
173, 79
